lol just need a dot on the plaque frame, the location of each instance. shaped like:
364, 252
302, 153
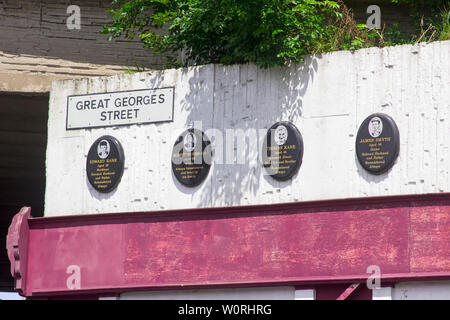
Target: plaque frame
386, 121
294, 170
206, 144
121, 157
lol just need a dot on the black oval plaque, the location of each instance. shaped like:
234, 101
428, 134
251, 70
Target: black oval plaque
104, 165
191, 157
377, 143
282, 150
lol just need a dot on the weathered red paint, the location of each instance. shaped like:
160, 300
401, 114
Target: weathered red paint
17, 247
294, 243
430, 238
348, 291
332, 291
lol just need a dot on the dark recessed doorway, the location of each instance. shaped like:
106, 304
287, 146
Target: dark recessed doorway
23, 142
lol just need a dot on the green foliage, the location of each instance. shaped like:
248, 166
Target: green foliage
392, 36
444, 27
428, 10
431, 19
264, 32
344, 34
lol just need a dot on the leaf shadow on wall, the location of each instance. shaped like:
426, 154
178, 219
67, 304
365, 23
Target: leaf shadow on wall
236, 106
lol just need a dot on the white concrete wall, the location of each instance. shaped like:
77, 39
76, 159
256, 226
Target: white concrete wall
430, 290
425, 290
262, 293
327, 98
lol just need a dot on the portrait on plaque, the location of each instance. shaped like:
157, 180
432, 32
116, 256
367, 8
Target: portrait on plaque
103, 149
281, 135
282, 151
375, 127
190, 141
377, 143
191, 157
105, 163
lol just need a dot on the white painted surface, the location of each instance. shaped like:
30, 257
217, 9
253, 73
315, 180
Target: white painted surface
382, 293
429, 290
10, 296
109, 298
327, 98
308, 294
263, 293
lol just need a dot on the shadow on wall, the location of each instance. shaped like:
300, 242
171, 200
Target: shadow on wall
156, 80
236, 105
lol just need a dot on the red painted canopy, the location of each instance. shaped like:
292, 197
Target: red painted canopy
407, 237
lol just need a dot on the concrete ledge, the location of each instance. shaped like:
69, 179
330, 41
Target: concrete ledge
28, 73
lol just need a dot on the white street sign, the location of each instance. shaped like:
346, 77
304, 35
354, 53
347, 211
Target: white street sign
120, 108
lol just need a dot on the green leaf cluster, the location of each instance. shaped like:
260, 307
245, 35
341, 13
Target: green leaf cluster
431, 19
265, 32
